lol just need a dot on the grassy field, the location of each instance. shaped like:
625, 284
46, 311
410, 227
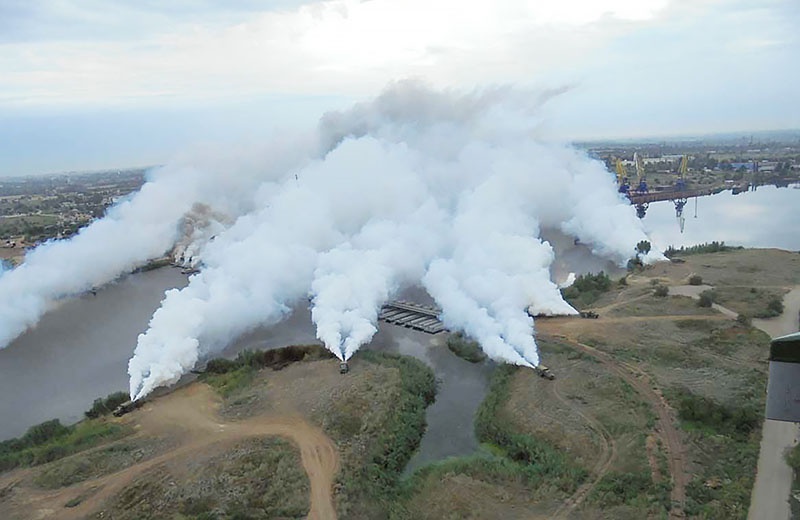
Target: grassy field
256, 479
465, 348
50, 441
375, 414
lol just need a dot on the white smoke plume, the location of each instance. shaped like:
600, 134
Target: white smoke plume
417, 187
133, 232
144, 226
439, 189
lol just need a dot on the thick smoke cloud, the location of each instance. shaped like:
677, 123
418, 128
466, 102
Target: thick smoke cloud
448, 191
130, 234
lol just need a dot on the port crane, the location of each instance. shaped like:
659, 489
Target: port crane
680, 186
622, 177
641, 188
640, 173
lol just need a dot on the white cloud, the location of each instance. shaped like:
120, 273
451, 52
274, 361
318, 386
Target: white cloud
647, 67
340, 46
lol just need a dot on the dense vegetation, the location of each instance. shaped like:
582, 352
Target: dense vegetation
377, 480
106, 405
537, 459
587, 289
465, 348
709, 247
774, 308
510, 458
633, 489
51, 440
695, 279
706, 298
727, 437
718, 419
229, 375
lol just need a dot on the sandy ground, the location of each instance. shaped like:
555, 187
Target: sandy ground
189, 414
770, 499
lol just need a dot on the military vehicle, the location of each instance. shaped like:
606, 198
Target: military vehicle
127, 407
344, 367
544, 372
589, 314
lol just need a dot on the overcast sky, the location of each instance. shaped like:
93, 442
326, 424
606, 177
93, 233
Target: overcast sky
87, 84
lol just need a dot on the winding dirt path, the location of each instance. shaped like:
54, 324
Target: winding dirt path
607, 456
191, 414
641, 382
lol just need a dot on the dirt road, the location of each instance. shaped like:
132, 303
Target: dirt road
607, 456
190, 414
770, 499
642, 383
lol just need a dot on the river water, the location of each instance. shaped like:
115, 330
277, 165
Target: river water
766, 217
79, 351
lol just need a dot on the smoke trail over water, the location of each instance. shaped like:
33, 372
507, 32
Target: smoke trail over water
445, 190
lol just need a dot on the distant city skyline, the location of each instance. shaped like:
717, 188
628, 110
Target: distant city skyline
91, 85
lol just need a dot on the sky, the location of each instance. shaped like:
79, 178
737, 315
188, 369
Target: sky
92, 84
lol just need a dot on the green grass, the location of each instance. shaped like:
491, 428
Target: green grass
540, 460
258, 478
708, 247
507, 458
587, 289
228, 376
371, 488
466, 349
104, 406
726, 439
751, 301
51, 441
228, 383
634, 489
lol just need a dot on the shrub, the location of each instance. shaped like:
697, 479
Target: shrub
695, 279
465, 348
538, 459
221, 366
52, 440
378, 477
587, 288
661, 291
706, 299
711, 247
775, 305
744, 320
721, 419
793, 458
104, 406
635, 264
44, 432
275, 359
